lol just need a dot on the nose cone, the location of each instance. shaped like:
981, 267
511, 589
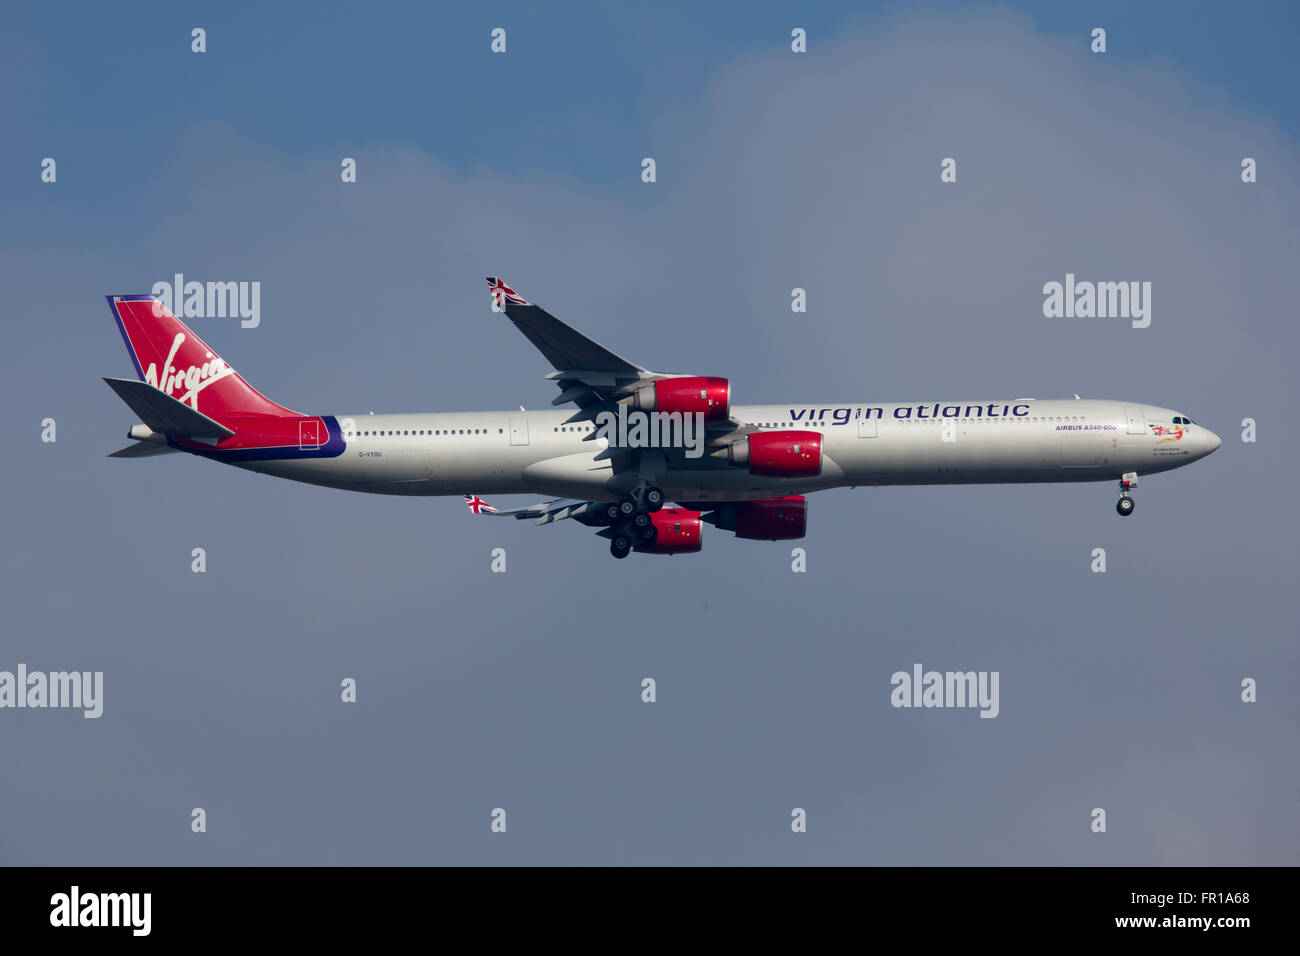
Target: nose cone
1212, 441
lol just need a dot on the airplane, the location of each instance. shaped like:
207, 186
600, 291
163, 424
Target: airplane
693, 459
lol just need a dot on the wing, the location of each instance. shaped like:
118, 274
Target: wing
664, 531
546, 512
564, 347
591, 376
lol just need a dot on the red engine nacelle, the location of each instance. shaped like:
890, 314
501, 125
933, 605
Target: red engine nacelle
784, 454
706, 394
677, 530
769, 519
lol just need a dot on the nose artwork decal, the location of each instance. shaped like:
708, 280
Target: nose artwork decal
1166, 433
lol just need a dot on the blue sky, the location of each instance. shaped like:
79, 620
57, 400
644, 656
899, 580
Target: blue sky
577, 93
523, 690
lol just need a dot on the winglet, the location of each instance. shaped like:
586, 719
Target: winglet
502, 293
478, 505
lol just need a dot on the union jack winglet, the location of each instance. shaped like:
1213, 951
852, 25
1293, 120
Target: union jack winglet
502, 293
477, 504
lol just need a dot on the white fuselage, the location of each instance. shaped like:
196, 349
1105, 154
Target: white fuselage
1025, 440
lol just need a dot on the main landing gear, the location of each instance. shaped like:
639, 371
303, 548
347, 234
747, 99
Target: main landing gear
645, 497
1127, 482
630, 520
620, 545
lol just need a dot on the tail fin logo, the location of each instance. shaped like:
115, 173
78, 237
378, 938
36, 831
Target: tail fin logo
189, 381
171, 358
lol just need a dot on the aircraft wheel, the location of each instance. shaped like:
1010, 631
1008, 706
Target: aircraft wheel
626, 507
611, 513
1125, 506
620, 546
654, 499
649, 535
641, 522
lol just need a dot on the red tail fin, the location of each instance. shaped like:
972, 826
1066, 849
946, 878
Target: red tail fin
174, 360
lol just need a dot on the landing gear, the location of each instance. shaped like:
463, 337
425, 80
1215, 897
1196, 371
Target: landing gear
629, 519
1127, 482
644, 498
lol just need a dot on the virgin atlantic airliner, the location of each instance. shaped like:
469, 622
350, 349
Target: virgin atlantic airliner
647, 456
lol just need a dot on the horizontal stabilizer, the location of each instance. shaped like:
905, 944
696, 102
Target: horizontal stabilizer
142, 449
165, 414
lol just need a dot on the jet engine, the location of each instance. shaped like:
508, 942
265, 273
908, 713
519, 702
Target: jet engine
706, 394
677, 531
777, 454
768, 519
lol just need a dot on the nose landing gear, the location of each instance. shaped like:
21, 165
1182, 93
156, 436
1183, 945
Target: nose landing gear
1126, 504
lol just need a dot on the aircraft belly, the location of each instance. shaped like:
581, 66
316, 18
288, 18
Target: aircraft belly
572, 476
992, 452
